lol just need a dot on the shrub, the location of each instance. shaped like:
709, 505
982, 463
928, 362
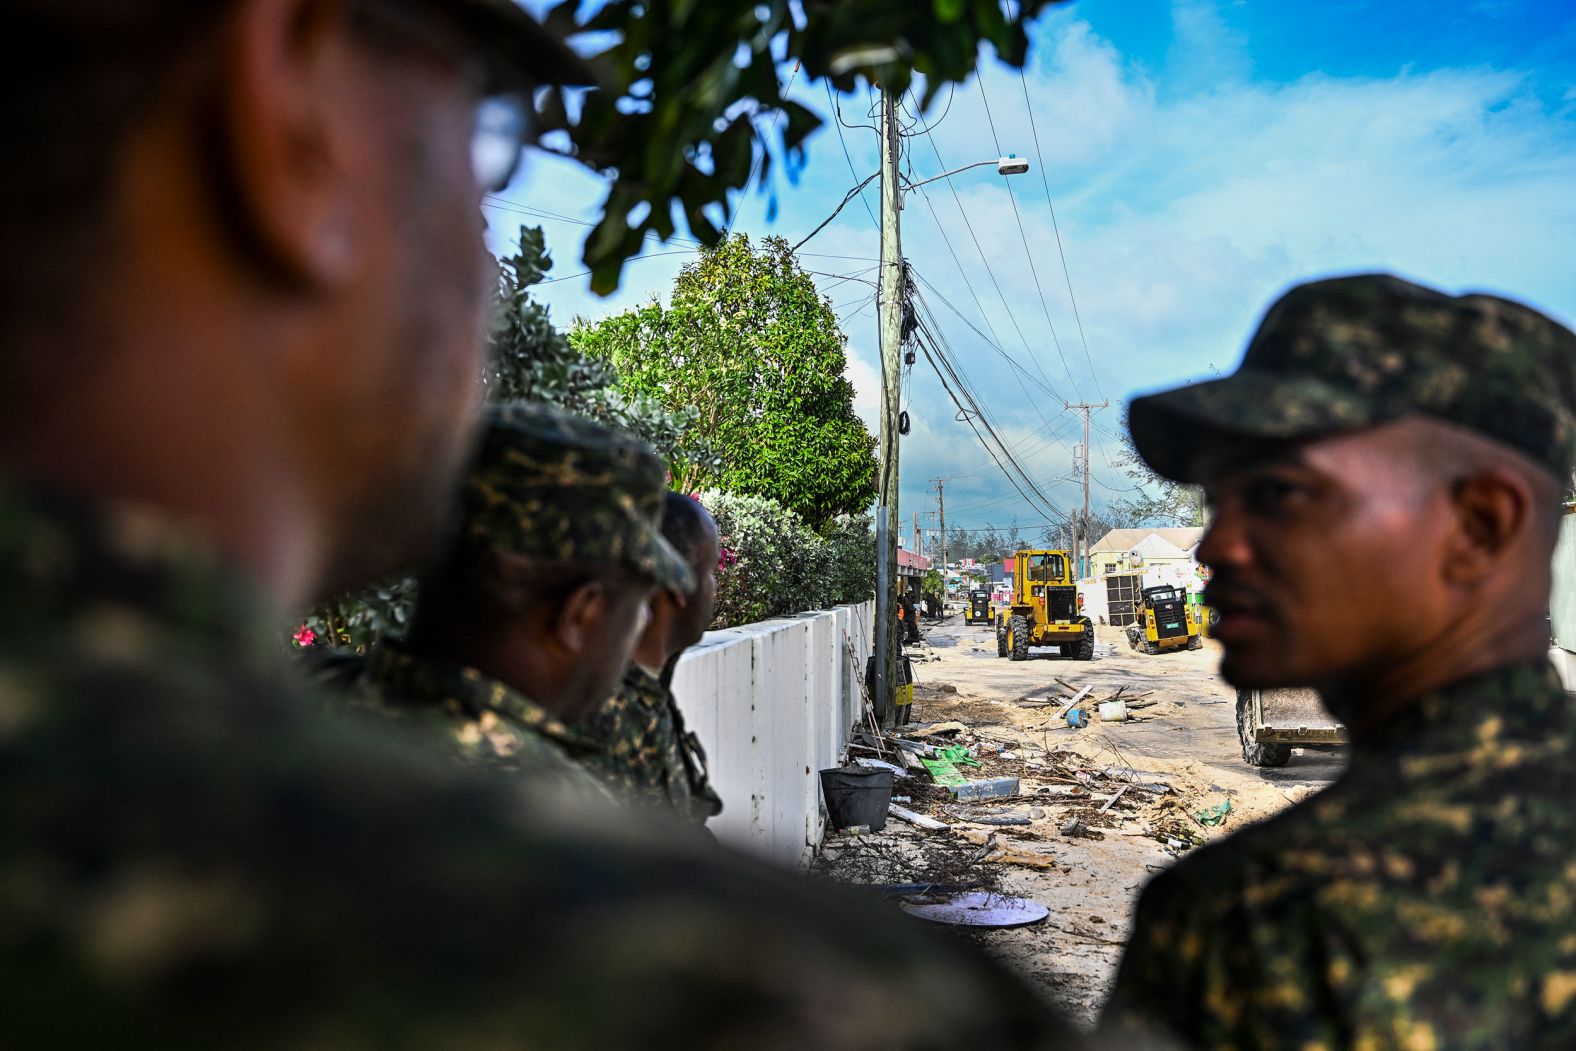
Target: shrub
773, 564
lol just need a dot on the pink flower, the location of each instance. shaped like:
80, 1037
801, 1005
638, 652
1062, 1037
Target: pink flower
304, 636
726, 558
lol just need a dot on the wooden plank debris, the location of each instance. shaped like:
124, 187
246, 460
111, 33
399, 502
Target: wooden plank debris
930, 824
1074, 702
1109, 803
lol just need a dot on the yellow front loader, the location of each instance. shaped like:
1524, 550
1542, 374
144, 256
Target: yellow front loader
1043, 609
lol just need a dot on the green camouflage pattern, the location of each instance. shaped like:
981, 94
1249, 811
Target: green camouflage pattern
477, 718
1427, 899
645, 752
1355, 352
196, 851
551, 486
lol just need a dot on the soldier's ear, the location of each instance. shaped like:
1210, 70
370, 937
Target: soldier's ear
291, 142
582, 617
1493, 510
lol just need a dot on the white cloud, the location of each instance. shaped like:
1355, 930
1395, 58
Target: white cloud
1185, 203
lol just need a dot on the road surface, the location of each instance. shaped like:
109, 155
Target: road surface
1186, 739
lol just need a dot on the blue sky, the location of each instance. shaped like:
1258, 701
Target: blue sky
1201, 156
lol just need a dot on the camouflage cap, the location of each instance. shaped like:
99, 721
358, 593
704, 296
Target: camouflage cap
1355, 352
552, 486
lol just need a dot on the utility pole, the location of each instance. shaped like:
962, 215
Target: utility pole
941, 508
1080, 530
890, 321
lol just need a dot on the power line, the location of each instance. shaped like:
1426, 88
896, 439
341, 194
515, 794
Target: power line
937, 352
755, 169
1024, 237
840, 206
632, 259
1046, 182
838, 118
504, 204
984, 260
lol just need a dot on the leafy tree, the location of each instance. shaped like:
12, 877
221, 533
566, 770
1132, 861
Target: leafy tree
532, 361
1161, 501
687, 86
752, 351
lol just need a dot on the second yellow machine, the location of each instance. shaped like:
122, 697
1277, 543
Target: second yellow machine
1043, 609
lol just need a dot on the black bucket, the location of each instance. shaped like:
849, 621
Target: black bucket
857, 795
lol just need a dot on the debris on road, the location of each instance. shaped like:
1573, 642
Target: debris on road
1215, 815
928, 823
986, 789
1120, 792
975, 909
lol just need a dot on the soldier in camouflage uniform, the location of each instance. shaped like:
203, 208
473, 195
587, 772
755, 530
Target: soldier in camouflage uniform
1386, 469
543, 594
642, 746
265, 389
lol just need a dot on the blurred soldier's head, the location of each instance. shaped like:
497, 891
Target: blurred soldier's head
679, 616
1385, 472
547, 584
242, 275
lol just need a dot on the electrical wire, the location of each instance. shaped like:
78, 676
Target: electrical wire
984, 260
840, 206
1034, 271
503, 204
760, 160
838, 112
1055, 226
631, 259
972, 411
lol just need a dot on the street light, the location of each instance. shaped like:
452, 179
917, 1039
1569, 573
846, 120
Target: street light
890, 319
1012, 164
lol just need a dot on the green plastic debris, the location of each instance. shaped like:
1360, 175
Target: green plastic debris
943, 772
957, 754
1215, 815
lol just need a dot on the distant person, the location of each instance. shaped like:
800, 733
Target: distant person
1386, 469
242, 292
641, 744
531, 617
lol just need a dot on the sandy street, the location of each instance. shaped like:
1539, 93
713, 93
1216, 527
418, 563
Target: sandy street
1186, 740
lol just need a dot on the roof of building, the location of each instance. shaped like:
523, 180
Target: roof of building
1120, 541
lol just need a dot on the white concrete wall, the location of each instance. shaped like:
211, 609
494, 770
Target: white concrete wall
773, 704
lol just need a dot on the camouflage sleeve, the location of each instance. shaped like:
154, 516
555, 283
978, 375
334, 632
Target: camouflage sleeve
1218, 959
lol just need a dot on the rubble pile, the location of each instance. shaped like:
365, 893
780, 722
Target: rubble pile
1004, 786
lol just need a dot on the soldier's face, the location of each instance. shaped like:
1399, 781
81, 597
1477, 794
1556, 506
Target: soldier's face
629, 611
698, 607
1325, 557
400, 398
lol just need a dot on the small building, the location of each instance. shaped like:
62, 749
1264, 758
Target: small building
1125, 561
1140, 550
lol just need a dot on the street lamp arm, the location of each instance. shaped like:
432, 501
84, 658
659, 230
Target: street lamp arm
1004, 166
945, 175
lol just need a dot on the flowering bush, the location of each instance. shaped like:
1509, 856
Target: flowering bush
772, 563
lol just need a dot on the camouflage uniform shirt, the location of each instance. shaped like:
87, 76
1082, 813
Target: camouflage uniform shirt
1425, 900
481, 719
644, 750
194, 853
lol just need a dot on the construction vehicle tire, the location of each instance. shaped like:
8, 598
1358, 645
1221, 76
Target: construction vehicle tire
1195, 643
1001, 636
1255, 753
1151, 648
1018, 639
1084, 651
